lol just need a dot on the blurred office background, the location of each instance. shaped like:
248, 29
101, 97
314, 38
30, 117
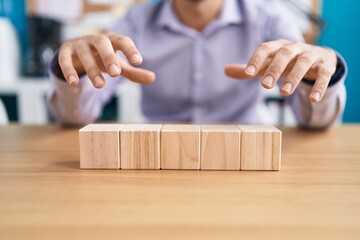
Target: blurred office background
31, 30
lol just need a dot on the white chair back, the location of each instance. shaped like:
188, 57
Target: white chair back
3, 115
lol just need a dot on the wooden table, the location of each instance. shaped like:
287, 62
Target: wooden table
44, 194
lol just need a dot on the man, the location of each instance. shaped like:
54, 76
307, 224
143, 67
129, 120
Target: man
186, 45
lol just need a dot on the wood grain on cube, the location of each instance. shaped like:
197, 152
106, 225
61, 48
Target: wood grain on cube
99, 146
180, 147
220, 147
140, 146
260, 148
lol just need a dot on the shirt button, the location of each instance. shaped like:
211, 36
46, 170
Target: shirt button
199, 76
198, 112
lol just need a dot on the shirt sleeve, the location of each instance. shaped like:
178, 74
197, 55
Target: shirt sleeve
280, 25
82, 104
329, 110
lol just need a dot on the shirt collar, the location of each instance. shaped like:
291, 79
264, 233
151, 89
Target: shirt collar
230, 14
167, 16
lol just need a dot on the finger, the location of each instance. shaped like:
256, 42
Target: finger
302, 66
321, 84
103, 46
262, 53
89, 63
67, 66
127, 46
134, 74
237, 71
281, 60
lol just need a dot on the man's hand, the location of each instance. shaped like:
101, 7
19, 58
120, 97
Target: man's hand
96, 54
293, 61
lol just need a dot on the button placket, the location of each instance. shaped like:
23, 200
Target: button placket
198, 77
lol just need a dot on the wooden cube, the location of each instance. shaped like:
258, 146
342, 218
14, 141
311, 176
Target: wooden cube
220, 147
99, 146
140, 146
180, 147
260, 148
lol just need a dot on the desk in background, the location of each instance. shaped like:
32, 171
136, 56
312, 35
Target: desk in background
44, 194
32, 105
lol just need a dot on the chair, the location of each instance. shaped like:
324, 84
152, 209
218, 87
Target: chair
129, 103
3, 115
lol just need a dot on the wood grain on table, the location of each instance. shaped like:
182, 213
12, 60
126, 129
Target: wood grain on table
44, 194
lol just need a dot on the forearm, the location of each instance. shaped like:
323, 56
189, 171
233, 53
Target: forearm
74, 105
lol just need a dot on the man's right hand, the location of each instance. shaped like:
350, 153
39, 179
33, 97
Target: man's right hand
95, 54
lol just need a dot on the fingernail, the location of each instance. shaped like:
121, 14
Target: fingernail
136, 58
287, 87
71, 79
316, 96
268, 81
114, 69
250, 70
98, 81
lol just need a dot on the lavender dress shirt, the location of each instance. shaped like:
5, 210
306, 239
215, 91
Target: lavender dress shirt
190, 82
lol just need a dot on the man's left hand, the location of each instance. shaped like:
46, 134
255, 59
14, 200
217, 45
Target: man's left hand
292, 61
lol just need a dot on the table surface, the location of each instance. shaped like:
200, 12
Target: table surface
44, 194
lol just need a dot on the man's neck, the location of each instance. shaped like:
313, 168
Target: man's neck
197, 14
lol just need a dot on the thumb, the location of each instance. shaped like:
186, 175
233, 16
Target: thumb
136, 74
237, 71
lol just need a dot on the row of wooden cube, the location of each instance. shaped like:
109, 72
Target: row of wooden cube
156, 146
